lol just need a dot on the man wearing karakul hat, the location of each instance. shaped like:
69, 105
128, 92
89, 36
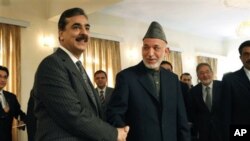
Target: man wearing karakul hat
148, 98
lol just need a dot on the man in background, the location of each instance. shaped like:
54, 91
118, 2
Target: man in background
186, 78
103, 90
204, 105
236, 93
167, 65
67, 106
9, 108
148, 98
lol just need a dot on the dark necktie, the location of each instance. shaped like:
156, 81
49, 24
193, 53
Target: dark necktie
87, 83
102, 97
208, 100
156, 79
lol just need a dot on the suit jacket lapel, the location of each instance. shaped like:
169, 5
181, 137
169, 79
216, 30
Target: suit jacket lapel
165, 88
216, 94
108, 93
199, 97
146, 82
243, 77
71, 66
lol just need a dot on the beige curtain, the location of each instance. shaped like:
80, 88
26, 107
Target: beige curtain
176, 61
105, 55
211, 61
10, 57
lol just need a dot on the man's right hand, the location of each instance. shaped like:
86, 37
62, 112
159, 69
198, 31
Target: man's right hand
122, 133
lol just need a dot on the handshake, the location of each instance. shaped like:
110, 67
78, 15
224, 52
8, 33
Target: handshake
20, 125
122, 133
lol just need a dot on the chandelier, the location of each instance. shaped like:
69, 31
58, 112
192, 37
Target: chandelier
237, 3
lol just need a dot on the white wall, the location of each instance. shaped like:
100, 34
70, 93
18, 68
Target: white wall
128, 32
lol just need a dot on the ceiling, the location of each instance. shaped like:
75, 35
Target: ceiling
209, 18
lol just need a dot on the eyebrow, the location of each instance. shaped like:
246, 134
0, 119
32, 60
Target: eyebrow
86, 25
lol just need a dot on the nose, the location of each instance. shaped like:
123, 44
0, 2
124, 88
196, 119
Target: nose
151, 52
84, 31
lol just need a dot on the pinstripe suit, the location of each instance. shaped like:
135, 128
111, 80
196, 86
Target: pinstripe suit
63, 107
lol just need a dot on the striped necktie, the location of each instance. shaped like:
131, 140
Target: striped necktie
86, 80
102, 98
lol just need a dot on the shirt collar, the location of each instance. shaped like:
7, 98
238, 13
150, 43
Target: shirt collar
247, 73
72, 57
210, 86
104, 89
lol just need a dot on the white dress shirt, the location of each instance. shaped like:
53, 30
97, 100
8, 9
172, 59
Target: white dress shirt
104, 89
3, 99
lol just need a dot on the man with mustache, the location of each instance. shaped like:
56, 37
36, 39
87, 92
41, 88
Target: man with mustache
236, 93
67, 107
148, 97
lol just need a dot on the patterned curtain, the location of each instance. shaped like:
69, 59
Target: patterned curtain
10, 57
105, 55
175, 59
211, 61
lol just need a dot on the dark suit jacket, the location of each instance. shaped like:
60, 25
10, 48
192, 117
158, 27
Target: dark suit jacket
63, 106
134, 103
6, 119
206, 122
185, 92
236, 100
108, 94
31, 119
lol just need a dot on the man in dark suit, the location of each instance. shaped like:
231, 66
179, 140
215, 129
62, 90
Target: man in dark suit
236, 93
148, 98
9, 108
204, 105
66, 105
103, 90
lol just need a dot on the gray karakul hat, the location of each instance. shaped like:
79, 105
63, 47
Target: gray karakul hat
155, 31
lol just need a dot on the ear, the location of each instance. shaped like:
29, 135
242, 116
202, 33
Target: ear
60, 33
240, 57
167, 50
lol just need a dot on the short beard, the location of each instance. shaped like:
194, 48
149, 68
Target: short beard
155, 66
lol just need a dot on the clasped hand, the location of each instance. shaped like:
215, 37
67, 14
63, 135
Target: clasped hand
122, 133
